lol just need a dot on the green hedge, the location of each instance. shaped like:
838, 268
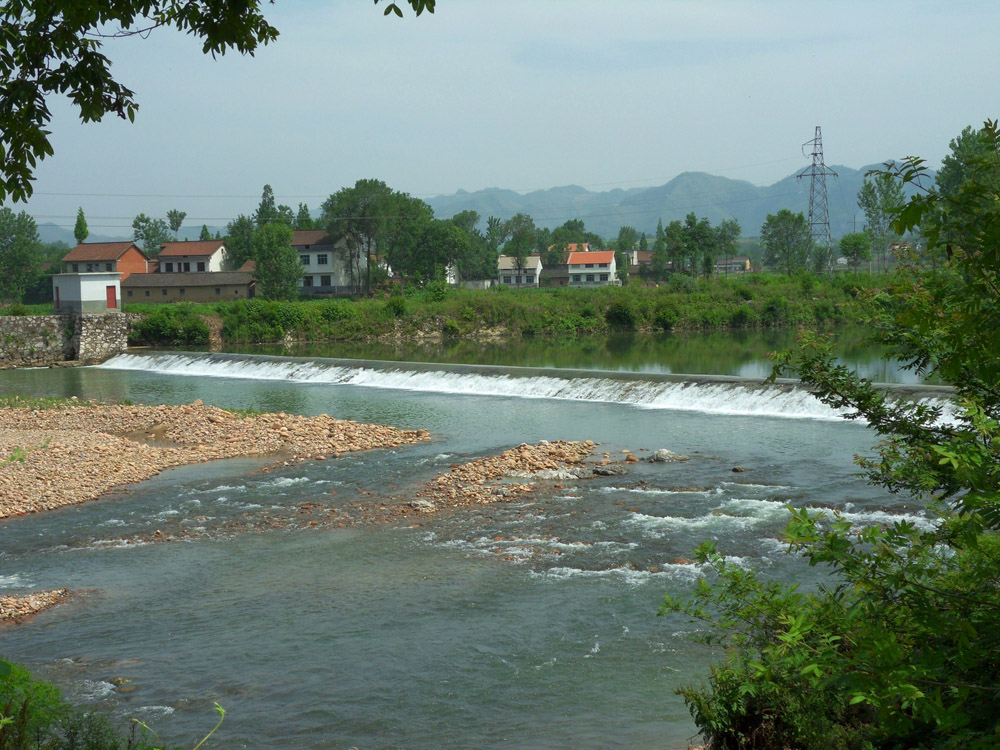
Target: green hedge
755, 301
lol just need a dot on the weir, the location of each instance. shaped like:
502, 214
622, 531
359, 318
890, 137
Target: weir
704, 393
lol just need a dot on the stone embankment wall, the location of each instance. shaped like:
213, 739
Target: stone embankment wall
37, 340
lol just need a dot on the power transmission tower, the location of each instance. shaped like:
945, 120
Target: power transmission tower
819, 208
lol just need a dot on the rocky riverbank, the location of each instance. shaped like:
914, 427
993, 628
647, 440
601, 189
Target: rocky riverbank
55, 457
15, 609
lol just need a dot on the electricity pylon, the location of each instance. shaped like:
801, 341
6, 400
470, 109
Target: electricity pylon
819, 208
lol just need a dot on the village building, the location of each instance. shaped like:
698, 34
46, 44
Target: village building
594, 268
123, 258
326, 267
203, 256
86, 292
733, 265
527, 275
189, 287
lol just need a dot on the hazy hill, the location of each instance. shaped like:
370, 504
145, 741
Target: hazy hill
715, 198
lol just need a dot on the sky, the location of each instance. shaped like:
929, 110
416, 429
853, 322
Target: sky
522, 95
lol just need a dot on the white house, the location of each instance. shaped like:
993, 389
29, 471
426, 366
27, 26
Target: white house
324, 262
96, 292
193, 257
508, 273
595, 268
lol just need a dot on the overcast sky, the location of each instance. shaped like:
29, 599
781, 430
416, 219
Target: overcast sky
520, 94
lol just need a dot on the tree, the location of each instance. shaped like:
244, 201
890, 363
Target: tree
376, 224
786, 240
80, 230
54, 48
204, 234
19, 251
520, 230
496, 235
897, 647
267, 211
174, 220
727, 236
303, 219
880, 198
239, 240
150, 234
278, 268
857, 248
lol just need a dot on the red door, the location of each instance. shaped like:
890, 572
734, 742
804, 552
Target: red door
112, 298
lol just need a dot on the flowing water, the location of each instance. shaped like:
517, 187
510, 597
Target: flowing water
531, 624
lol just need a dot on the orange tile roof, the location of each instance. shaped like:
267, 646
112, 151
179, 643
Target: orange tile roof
201, 247
91, 251
595, 256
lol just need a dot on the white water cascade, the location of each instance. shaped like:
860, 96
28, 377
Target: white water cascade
707, 394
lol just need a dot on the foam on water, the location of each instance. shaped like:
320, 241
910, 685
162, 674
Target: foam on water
644, 391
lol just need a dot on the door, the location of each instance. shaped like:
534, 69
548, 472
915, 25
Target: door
112, 297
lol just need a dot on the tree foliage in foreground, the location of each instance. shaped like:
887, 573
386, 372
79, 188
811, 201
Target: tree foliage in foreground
900, 648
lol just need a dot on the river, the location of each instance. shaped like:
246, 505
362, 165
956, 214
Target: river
531, 624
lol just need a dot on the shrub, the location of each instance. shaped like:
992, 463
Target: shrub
16, 309
666, 316
396, 307
621, 314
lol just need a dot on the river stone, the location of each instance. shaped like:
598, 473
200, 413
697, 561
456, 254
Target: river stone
663, 456
611, 470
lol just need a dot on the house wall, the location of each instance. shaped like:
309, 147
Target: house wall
188, 294
325, 271
578, 275
214, 263
36, 340
84, 292
131, 261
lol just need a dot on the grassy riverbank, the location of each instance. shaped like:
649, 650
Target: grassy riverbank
756, 301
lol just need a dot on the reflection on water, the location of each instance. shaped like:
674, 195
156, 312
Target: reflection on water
736, 352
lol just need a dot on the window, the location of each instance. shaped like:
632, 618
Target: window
304, 260
168, 267
506, 279
604, 277
164, 292
322, 259
590, 265
590, 277
577, 277
181, 290
529, 279
128, 293
603, 265
76, 268
107, 266
91, 267
517, 279
187, 267
307, 281
218, 290
201, 265
324, 281
147, 292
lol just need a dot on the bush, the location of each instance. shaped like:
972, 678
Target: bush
174, 325
396, 307
16, 309
622, 315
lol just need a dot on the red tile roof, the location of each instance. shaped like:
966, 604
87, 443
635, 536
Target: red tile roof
201, 247
595, 256
91, 251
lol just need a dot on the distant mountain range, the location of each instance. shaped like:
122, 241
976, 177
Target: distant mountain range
709, 196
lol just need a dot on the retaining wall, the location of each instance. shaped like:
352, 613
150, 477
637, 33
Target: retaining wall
36, 340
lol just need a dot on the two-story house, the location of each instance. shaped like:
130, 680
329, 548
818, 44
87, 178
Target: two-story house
326, 267
595, 268
527, 275
123, 258
203, 256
